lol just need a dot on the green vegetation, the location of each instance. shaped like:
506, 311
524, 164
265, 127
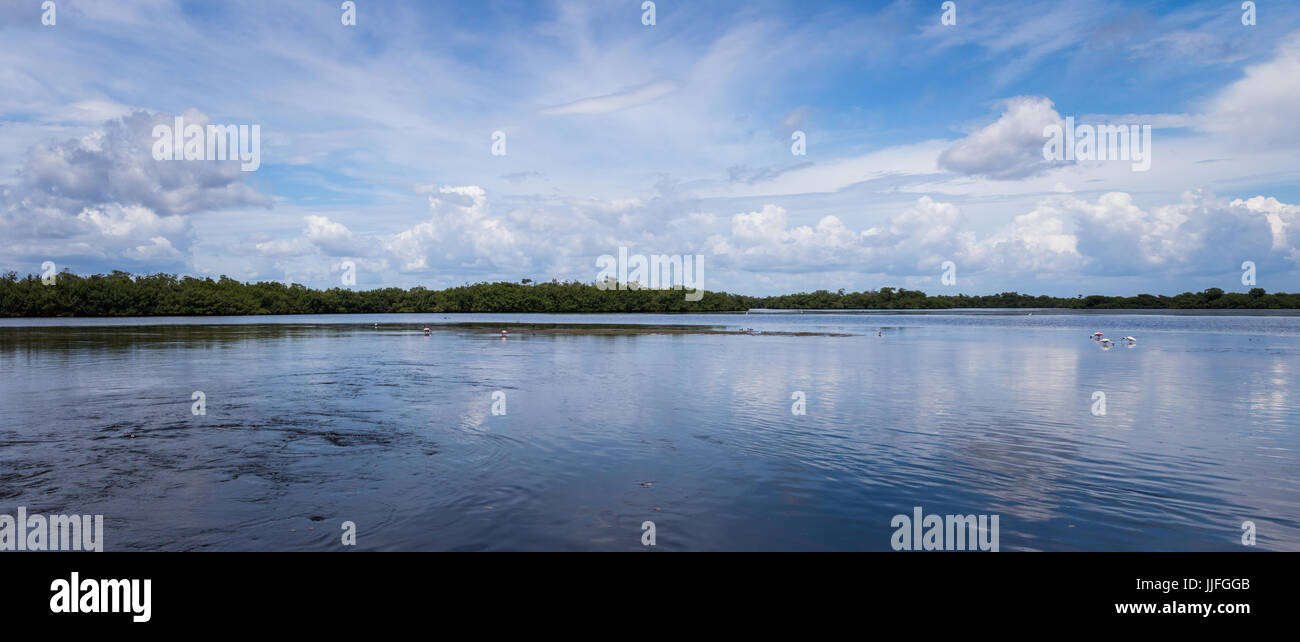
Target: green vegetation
121, 294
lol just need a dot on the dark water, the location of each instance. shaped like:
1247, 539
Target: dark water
311, 421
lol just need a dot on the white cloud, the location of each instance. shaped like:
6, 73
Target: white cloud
107, 232
461, 231
102, 197
158, 249
333, 238
1201, 235
283, 248
1260, 110
115, 164
124, 222
1040, 243
616, 101
1011, 147
1063, 236
916, 240
1281, 219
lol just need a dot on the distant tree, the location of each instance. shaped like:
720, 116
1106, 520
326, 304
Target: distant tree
121, 294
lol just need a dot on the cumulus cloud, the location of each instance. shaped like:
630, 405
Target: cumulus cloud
1063, 235
158, 249
1255, 112
461, 231
1009, 148
465, 236
1113, 236
103, 232
763, 241
284, 247
115, 164
103, 196
1259, 110
334, 238
912, 242
1039, 242
1281, 219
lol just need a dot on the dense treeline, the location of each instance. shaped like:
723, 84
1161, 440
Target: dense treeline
121, 294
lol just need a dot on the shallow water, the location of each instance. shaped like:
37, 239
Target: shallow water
314, 420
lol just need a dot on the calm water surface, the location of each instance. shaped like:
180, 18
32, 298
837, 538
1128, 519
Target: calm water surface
315, 420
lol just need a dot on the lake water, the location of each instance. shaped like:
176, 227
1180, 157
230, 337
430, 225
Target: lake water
316, 420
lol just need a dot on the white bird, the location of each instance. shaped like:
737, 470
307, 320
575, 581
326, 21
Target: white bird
1130, 339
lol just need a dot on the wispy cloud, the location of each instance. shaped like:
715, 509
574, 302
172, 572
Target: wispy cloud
615, 102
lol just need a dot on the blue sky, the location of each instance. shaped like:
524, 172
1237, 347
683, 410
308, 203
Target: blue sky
923, 142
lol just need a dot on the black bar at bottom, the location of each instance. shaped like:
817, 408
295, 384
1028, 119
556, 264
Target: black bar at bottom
311, 590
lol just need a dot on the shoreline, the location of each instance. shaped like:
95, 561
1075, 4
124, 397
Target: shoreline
515, 329
628, 320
